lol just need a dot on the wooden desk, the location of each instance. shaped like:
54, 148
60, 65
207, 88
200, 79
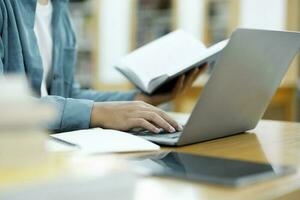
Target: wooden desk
272, 142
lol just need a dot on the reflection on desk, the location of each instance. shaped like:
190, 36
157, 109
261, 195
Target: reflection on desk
271, 142
210, 170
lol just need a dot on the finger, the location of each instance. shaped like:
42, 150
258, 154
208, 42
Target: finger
192, 75
178, 87
195, 74
203, 68
142, 123
169, 96
164, 115
200, 71
169, 119
158, 120
190, 79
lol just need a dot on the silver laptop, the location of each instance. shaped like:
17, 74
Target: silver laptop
243, 82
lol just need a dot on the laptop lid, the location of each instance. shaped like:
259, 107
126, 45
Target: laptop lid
243, 81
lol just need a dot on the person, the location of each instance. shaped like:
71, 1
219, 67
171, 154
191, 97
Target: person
37, 40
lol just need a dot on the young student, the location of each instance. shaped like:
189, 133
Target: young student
37, 41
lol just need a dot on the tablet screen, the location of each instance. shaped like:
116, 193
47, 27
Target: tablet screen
211, 169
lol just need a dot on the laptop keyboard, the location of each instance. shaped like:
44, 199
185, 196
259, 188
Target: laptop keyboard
162, 134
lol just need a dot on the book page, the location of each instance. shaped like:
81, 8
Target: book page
165, 56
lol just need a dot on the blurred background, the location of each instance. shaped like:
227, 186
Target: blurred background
109, 29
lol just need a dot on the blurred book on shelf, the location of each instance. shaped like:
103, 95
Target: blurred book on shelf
218, 20
149, 27
82, 20
217, 28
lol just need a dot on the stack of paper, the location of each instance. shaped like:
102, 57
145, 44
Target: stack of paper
22, 142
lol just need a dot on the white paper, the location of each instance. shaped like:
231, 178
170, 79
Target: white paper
98, 140
57, 146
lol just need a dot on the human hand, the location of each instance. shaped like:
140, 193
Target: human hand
184, 83
124, 116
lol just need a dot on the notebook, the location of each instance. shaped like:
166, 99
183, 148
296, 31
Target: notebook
94, 141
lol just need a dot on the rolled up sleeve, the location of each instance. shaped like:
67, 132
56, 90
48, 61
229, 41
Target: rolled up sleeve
72, 114
98, 96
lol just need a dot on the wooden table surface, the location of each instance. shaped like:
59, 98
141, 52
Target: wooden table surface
271, 142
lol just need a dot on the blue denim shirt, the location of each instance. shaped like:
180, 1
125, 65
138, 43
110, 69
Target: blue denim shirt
19, 53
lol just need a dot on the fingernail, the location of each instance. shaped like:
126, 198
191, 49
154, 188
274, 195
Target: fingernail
157, 130
172, 130
180, 128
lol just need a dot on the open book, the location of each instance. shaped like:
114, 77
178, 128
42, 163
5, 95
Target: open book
153, 66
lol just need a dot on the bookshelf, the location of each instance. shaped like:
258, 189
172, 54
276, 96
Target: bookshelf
83, 19
150, 19
223, 16
145, 27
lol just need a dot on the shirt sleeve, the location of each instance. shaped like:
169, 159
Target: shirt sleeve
1, 56
72, 114
1, 42
97, 96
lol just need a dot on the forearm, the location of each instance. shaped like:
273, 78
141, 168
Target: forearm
97, 96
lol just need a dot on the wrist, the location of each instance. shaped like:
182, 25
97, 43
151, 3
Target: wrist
97, 116
142, 97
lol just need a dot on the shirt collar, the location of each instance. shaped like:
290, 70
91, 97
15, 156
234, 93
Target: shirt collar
29, 7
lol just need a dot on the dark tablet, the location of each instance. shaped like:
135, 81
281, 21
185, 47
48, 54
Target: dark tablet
211, 169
